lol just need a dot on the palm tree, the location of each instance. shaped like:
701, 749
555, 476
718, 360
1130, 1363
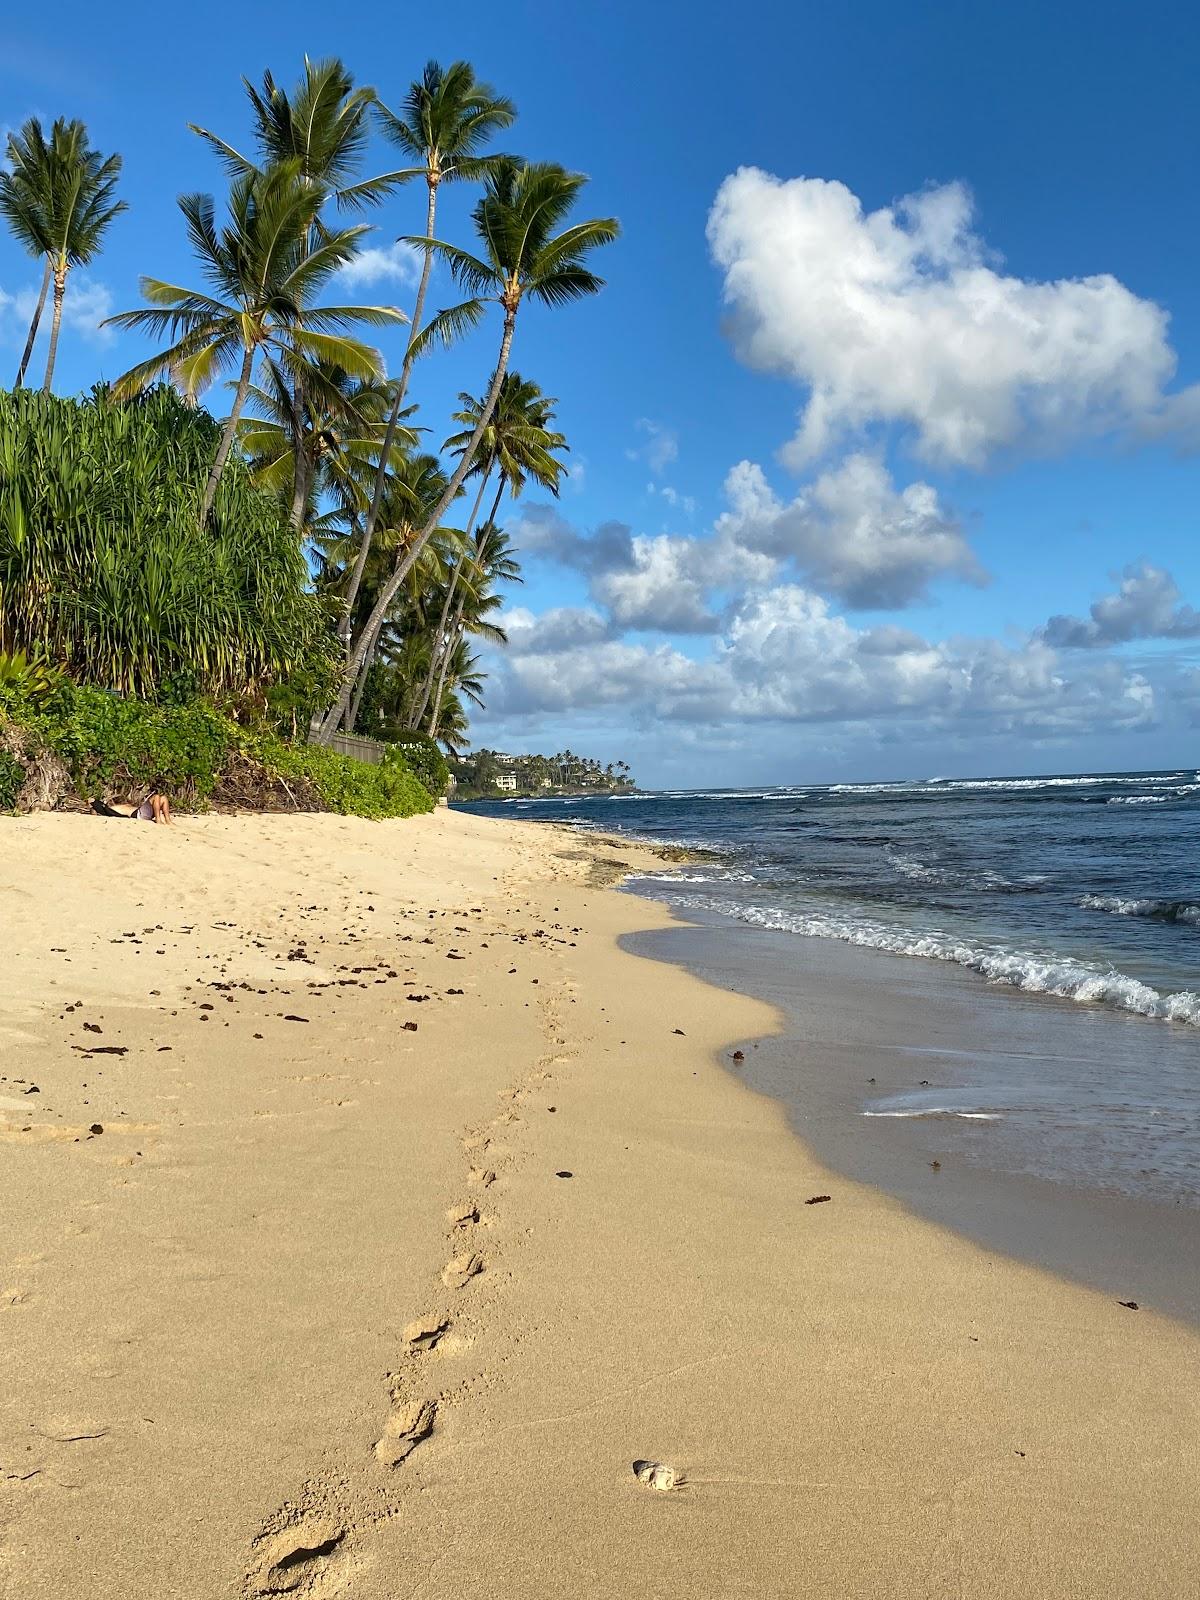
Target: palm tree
449, 722
322, 126
446, 118
24, 193
333, 422
415, 485
491, 562
523, 259
58, 199
264, 277
521, 443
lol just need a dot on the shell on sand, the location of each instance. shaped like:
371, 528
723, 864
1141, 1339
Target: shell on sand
656, 1475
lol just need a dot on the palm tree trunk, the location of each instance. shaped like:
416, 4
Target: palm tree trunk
435, 655
299, 461
60, 289
449, 641
447, 656
360, 688
439, 637
34, 325
389, 437
218, 466
300, 491
405, 565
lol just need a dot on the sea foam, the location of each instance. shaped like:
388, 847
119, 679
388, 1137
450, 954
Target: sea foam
1025, 970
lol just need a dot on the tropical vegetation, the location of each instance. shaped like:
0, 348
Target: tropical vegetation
256, 519
486, 774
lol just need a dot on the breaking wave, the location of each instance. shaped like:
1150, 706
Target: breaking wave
1158, 910
1033, 974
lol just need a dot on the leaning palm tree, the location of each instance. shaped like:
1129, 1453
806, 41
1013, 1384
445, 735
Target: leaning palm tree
59, 200
524, 258
445, 120
491, 562
416, 484
264, 277
520, 444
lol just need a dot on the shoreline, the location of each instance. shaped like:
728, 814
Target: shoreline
1126, 1245
603, 1233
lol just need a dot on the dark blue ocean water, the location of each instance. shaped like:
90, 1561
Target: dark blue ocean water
1082, 887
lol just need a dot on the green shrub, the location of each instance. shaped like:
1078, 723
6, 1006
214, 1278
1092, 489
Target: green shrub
423, 756
355, 788
129, 746
112, 743
12, 776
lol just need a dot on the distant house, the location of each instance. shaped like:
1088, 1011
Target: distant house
544, 783
506, 780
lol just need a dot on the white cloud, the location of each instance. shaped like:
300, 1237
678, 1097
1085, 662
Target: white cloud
785, 658
896, 317
676, 500
660, 448
1147, 605
397, 263
662, 587
85, 306
852, 533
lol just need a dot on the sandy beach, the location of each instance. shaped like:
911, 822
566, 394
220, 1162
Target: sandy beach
367, 1211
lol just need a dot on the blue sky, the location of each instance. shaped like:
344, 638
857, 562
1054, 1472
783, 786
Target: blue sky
893, 367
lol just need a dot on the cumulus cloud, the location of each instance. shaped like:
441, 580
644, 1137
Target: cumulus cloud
900, 316
852, 533
1147, 605
662, 587
396, 263
645, 583
785, 657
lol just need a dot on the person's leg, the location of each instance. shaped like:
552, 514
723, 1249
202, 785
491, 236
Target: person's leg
162, 808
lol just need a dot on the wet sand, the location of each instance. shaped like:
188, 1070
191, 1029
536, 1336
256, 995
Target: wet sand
366, 1211
860, 1027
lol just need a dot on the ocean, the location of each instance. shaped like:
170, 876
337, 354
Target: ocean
1063, 897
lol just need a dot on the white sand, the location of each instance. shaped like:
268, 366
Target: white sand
207, 1387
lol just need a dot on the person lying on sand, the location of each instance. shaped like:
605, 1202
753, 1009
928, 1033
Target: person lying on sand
154, 808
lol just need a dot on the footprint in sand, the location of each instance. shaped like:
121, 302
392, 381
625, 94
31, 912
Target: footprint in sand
424, 1332
404, 1431
461, 1270
309, 1559
464, 1215
484, 1177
